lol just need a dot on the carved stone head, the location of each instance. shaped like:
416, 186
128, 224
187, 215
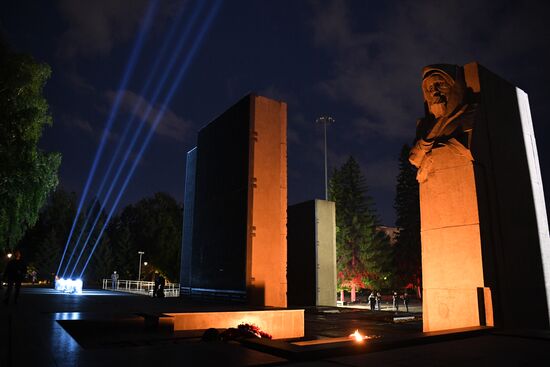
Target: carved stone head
443, 88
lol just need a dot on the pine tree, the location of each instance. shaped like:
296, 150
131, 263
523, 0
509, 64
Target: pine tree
408, 262
363, 253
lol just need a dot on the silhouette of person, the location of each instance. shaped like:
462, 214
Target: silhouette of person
372, 300
395, 298
14, 273
406, 300
161, 284
114, 278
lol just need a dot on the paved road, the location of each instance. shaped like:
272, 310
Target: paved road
99, 329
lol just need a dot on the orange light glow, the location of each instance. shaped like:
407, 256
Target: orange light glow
357, 336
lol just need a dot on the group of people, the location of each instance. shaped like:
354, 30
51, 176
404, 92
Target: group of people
375, 301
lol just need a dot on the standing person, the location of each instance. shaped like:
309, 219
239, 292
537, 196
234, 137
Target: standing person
372, 300
406, 300
156, 284
378, 301
114, 278
15, 270
33, 275
162, 283
395, 298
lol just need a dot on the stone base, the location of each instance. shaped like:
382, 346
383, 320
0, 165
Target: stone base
452, 263
281, 324
449, 308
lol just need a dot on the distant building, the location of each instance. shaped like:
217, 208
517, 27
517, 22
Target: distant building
391, 232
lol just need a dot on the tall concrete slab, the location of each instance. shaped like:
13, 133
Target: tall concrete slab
483, 221
267, 195
238, 225
312, 253
188, 210
514, 225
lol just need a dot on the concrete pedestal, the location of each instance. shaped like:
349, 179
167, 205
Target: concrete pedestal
484, 228
451, 244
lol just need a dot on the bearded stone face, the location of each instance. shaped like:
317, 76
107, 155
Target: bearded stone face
442, 95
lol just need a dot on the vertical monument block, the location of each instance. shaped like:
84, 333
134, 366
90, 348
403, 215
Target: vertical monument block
483, 221
312, 253
267, 195
188, 212
235, 239
514, 224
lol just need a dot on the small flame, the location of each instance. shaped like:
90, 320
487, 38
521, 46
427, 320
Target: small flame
357, 336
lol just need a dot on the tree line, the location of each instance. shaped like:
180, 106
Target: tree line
152, 225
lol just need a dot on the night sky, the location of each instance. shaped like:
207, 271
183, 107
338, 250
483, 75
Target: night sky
357, 61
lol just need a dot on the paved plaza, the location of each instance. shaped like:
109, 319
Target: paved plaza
101, 328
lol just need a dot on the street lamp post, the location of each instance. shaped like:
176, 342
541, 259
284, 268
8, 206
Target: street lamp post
139, 271
325, 120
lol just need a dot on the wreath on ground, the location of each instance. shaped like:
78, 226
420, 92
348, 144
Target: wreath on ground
243, 331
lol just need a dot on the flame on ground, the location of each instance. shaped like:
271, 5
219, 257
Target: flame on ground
357, 336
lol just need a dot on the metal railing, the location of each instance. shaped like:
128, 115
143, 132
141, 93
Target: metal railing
140, 287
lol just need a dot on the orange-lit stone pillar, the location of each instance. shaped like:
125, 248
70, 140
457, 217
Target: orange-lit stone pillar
452, 267
267, 204
452, 263
483, 219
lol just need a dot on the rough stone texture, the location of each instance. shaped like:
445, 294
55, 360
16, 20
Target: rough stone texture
325, 220
452, 267
483, 221
312, 253
267, 194
279, 323
237, 245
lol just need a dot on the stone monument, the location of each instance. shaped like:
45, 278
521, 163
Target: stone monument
485, 243
311, 270
234, 243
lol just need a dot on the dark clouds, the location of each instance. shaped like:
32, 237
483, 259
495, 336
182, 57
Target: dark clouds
359, 61
96, 27
378, 52
378, 69
172, 126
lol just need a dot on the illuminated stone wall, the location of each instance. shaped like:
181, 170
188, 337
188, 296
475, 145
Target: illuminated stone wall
312, 253
512, 212
483, 220
267, 203
237, 247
